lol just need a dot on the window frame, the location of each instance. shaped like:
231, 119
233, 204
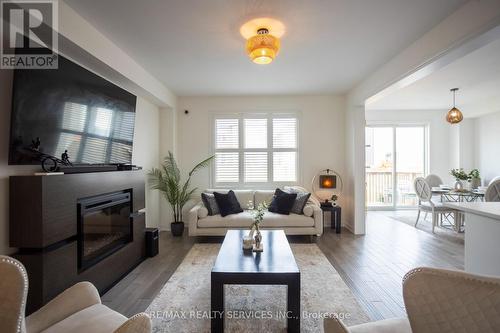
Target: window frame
270, 184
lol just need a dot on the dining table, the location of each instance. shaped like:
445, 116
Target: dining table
453, 195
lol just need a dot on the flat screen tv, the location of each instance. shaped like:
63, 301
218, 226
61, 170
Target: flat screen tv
70, 109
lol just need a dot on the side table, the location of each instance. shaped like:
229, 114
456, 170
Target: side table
336, 216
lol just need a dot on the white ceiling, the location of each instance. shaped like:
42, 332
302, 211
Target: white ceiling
195, 48
477, 75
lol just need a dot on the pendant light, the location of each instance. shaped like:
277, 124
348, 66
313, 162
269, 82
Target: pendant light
454, 116
263, 39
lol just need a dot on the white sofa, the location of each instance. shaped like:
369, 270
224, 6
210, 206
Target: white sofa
309, 223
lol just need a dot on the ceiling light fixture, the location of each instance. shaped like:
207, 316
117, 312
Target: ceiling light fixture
262, 35
454, 116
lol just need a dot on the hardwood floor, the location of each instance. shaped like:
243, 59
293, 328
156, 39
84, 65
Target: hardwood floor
372, 265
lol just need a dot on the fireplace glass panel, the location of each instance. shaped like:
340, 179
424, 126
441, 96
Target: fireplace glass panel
104, 228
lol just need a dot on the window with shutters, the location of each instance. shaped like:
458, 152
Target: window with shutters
255, 150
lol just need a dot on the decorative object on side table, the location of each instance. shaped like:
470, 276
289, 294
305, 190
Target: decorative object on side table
258, 216
326, 185
167, 180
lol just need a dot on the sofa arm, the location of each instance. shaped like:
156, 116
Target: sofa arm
192, 217
74, 299
318, 219
140, 323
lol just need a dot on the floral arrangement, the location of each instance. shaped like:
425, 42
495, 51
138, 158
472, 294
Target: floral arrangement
258, 215
459, 174
474, 174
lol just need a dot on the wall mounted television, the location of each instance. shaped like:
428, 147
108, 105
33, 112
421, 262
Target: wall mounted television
73, 109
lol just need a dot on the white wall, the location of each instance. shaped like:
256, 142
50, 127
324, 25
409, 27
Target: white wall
487, 145
321, 130
439, 134
146, 152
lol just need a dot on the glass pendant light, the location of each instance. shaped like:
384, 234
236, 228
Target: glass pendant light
454, 116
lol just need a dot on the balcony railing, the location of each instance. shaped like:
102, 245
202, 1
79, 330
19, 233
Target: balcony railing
379, 188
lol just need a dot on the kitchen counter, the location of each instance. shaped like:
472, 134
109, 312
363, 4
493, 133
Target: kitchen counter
486, 209
482, 236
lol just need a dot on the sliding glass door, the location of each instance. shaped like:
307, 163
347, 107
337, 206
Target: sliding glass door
395, 156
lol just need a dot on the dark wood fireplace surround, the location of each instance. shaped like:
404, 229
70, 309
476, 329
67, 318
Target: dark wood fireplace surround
43, 225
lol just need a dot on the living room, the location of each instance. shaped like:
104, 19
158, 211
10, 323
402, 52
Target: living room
286, 121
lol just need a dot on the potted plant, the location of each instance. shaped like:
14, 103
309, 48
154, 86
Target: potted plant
460, 176
167, 180
474, 179
334, 199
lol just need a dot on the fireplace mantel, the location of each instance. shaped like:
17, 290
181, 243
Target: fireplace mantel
44, 223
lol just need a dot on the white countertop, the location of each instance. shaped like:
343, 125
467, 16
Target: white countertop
487, 209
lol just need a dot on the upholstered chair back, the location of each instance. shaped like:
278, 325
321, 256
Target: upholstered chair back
443, 301
433, 180
13, 293
493, 191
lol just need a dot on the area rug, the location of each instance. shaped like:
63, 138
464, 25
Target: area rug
183, 305
426, 225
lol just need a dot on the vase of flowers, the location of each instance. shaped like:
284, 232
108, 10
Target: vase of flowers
474, 179
258, 217
461, 178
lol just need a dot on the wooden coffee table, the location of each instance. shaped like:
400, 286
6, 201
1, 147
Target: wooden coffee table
275, 266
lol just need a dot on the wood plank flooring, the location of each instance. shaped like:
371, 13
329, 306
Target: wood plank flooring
372, 265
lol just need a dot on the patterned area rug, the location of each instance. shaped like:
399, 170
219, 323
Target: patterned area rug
426, 225
183, 305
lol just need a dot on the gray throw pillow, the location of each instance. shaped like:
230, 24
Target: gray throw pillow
300, 201
210, 203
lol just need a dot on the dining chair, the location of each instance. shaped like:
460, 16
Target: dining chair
425, 203
433, 180
493, 191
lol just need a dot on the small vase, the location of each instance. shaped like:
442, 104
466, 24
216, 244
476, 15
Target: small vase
475, 183
459, 185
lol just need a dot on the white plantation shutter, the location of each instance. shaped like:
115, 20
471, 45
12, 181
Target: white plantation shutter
226, 168
260, 148
255, 133
226, 133
284, 166
255, 167
285, 133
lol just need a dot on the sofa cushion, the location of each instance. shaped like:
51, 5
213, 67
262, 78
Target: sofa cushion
97, 318
245, 219
300, 203
243, 196
210, 203
228, 204
308, 210
282, 202
263, 196
202, 212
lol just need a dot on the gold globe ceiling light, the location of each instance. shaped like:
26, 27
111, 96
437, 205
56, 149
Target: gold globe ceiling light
454, 116
262, 36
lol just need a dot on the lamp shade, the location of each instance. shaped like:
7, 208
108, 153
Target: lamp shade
328, 181
263, 47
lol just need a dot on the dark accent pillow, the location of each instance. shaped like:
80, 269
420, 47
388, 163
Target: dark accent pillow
282, 202
300, 202
228, 204
210, 203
